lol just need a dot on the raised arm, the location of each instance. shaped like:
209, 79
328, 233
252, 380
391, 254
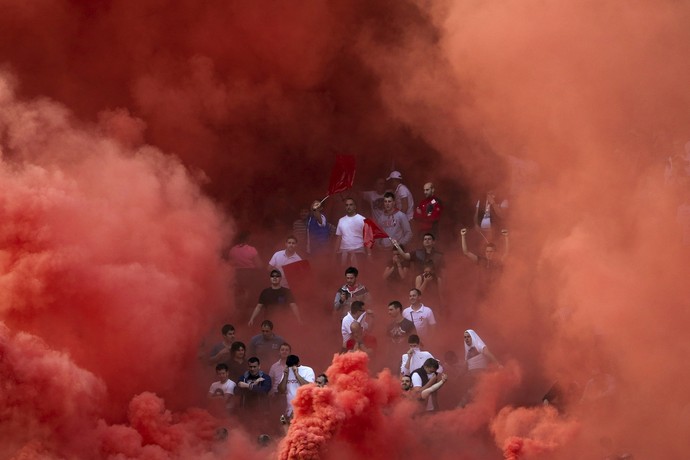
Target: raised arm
399, 250
497, 208
463, 241
316, 213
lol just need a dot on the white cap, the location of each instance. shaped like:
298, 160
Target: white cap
394, 175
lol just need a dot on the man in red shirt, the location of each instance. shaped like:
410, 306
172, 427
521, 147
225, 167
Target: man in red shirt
428, 212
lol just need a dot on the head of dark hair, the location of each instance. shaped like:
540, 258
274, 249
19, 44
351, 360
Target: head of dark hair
356, 306
432, 363
236, 346
227, 328
389, 195
254, 359
291, 237
419, 293
221, 367
413, 338
275, 273
395, 304
352, 270
267, 323
285, 344
325, 378
292, 360
429, 234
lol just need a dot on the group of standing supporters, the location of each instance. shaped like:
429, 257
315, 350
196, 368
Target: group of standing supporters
262, 379
257, 384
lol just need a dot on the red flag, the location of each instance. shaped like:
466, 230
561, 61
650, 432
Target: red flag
372, 232
342, 175
298, 274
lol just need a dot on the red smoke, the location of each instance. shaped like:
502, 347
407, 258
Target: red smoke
45, 397
108, 255
358, 415
348, 413
526, 432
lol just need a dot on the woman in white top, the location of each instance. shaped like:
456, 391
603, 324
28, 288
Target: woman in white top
477, 358
477, 354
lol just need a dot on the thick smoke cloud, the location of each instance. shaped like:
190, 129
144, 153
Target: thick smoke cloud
118, 120
110, 273
361, 415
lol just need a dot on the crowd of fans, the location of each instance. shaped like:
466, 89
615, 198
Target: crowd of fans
263, 376
387, 298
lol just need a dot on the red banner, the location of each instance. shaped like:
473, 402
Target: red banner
342, 175
298, 274
372, 232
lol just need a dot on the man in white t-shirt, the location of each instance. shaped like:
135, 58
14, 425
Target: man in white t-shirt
224, 388
294, 376
357, 314
421, 315
350, 235
415, 356
285, 257
403, 197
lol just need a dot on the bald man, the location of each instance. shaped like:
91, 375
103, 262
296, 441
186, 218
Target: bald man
360, 340
428, 213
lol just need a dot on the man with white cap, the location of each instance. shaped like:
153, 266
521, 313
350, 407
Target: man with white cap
403, 197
